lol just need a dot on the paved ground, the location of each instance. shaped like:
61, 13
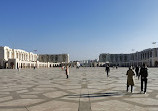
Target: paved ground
87, 89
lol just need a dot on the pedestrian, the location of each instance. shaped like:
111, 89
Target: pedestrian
130, 79
107, 69
144, 77
67, 71
137, 71
18, 68
62, 68
133, 67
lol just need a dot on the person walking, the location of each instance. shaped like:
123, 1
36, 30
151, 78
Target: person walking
144, 77
67, 72
107, 69
130, 79
18, 68
62, 68
137, 71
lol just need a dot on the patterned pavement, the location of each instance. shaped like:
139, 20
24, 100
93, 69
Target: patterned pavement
87, 89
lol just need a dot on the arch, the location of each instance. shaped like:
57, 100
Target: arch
17, 65
17, 56
12, 65
7, 53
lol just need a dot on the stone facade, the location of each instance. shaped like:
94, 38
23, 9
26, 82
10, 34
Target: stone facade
148, 56
17, 58
55, 58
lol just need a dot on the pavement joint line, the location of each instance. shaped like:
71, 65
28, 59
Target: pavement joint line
26, 108
95, 84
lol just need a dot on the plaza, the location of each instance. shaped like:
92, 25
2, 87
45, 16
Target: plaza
87, 89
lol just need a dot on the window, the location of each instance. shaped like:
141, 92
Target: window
8, 54
150, 53
17, 55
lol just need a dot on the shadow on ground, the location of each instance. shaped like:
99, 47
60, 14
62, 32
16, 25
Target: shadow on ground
95, 95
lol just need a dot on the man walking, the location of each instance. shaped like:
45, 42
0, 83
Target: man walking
107, 69
137, 71
144, 79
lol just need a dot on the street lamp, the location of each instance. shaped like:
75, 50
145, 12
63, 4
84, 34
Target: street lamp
154, 43
133, 50
35, 51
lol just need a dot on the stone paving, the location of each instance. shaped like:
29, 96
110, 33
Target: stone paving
87, 89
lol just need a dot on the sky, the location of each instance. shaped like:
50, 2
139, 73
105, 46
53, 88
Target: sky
82, 28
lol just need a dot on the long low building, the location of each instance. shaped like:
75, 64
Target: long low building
147, 56
17, 58
55, 58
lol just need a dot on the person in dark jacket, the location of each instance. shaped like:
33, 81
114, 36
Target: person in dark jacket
107, 69
137, 71
144, 77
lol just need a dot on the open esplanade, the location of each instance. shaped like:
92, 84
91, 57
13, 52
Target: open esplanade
87, 89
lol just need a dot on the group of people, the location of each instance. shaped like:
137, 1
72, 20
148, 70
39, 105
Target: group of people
140, 72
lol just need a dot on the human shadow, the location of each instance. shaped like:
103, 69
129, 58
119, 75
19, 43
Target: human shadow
95, 95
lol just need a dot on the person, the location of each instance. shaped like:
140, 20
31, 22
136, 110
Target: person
62, 68
137, 71
133, 67
67, 72
107, 69
130, 79
144, 77
18, 68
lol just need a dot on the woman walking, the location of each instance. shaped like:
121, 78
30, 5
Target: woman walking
130, 79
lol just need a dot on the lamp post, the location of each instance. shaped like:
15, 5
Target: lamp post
132, 57
133, 50
35, 51
154, 43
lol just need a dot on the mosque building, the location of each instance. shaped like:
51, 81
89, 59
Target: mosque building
17, 58
147, 56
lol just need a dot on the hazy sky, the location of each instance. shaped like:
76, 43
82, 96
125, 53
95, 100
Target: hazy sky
82, 28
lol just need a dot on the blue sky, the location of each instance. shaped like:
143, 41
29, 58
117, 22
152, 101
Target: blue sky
82, 28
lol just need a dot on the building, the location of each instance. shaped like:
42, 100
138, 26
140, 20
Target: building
89, 63
147, 56
17, 58
55, 58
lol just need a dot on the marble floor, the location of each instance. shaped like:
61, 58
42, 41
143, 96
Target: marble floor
87, 89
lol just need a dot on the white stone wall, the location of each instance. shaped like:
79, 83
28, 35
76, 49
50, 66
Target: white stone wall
17, 58
13, 55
